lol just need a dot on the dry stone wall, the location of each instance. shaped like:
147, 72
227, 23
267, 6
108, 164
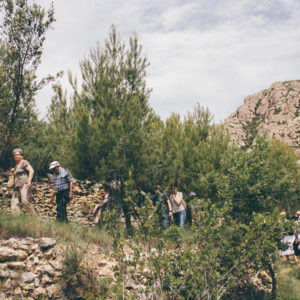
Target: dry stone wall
85, 195
32, 268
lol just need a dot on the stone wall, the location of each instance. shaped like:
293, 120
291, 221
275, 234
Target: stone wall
32, 268
85, 195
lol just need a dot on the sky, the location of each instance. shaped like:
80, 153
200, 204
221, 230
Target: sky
212, 52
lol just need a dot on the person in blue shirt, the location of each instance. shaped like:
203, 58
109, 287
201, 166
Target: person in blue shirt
63, 182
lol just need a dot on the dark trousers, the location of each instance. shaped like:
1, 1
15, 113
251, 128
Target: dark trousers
62, 200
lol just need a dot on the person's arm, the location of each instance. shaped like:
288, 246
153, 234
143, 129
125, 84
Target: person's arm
71, 188
106, 199
53, 193
170, 209
30, 171
178, 199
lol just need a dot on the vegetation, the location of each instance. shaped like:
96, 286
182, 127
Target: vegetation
106, 131
22, 37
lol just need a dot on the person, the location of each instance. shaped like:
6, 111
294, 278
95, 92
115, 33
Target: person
140, 196
139, 200
288, 241
177, 209
23, 174
156, 197
100, 207
167, 208
190, 209
296, 244
63, 182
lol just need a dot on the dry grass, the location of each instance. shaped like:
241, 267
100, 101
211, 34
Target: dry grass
24, 226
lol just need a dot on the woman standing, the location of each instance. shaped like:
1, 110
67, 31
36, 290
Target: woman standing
23, 173
177, 210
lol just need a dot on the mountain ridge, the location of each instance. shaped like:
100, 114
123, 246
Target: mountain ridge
275, 110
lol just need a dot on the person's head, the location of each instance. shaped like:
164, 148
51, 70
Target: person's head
282, 214
18, 154
156, 189
192, 195
54, 167
174, 188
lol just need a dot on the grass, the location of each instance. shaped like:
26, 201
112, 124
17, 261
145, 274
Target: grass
78, 277
24, 226
288, 277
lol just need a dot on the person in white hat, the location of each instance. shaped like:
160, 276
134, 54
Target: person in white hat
63, 182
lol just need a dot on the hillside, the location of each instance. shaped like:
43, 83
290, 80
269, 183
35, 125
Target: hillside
275, 111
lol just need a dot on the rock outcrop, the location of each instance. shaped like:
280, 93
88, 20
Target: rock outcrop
275, 111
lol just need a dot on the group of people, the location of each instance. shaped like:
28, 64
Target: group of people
291, 241
174, 204
171, 207
23, 174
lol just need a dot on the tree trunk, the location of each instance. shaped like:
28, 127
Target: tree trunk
274, 281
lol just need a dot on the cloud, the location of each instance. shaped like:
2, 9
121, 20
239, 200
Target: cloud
212, 52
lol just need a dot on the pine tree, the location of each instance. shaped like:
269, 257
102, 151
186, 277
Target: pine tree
22, 38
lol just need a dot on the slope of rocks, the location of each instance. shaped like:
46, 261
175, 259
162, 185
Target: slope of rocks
275, 111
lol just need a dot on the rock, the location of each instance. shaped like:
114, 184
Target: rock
54, 290
4, 274
45, 279
56, 264
8, 254
14, 275
48, 270
17, 291
27, 277
28, 287
7, 284
46, 243
36, 282
16, 265
39, 293
275, 110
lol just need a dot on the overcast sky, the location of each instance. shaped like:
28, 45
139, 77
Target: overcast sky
215, 52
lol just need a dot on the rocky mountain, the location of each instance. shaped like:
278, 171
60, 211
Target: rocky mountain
275, 111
